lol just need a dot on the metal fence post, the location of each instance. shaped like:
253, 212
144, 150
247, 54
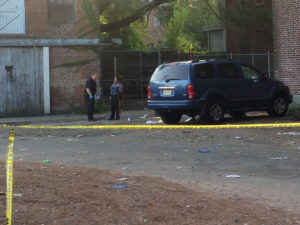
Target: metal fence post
158, 54
141, 78
115, 65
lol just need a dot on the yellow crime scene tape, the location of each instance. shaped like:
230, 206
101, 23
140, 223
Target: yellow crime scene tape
145, 127
9, 176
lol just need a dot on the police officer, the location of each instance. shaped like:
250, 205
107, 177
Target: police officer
116, 90
89, 95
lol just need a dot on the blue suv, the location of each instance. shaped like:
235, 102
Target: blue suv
212, 88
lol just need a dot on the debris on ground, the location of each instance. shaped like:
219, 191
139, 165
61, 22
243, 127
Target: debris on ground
289, 133
120, 186
278, 158
17, 195
153, 122
46, 161
122, 179
207, 150
79, 135
233, 176
152, 199
189, 119
238, 137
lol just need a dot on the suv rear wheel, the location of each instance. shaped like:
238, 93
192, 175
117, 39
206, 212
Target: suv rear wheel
171, 117
278, 106
214, 111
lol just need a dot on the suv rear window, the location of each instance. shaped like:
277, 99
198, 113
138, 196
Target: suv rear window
170, 72
204, 71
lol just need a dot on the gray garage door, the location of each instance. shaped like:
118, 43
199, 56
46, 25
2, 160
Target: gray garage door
21, 81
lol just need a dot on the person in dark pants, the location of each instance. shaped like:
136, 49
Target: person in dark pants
89, 95
116, 90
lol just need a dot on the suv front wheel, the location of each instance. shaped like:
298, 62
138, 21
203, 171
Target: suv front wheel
278, 106
214, 111
171, 117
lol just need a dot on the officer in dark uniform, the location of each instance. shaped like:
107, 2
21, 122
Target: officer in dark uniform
116, 90
89, 95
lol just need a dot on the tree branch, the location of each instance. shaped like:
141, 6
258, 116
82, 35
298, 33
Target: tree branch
212, 10
127, 20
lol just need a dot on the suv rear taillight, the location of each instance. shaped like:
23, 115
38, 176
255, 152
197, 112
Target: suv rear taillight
190, 90
149, 94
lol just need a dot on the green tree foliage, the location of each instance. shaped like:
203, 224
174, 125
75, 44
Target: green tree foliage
187, 22
174, 35
123, 19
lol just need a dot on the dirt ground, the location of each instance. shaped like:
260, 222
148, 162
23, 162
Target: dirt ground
59, 194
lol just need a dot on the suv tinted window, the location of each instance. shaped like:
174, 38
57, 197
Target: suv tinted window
171, 72
228, 71
204, 71
249, 72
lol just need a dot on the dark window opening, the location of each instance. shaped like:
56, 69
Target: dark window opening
61, 11
204, 71
228, 71
9, 68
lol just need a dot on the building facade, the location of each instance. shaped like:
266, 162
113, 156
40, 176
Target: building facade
230, 38
56, 21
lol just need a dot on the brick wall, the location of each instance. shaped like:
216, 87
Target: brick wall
286, 42
66, 84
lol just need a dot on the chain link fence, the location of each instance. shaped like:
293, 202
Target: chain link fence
134, 68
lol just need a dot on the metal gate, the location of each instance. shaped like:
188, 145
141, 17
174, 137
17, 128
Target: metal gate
21, 81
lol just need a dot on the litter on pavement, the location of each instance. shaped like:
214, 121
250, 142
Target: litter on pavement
238, 137
17, 195
130, 119
153, 122
233, 176
189, 119
122, 179
120, 186
46, 161
207, 150
289, 133
144, 117
278, 158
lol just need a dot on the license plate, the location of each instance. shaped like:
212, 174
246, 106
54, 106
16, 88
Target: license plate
167, 92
